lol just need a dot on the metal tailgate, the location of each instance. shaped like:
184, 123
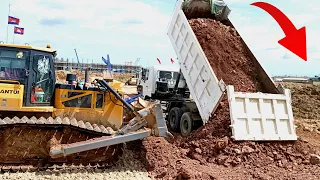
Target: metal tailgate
260, 116
202, 82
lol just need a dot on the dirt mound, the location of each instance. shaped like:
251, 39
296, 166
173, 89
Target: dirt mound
305, 100
220, 158
163, 160
211, 144
61, 75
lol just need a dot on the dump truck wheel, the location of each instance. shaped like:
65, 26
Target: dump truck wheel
174, 118
186, 124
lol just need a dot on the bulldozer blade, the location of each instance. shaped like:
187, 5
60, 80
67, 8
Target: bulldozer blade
152, 124
64, 150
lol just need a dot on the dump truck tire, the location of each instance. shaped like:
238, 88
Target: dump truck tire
174, 118
186, 124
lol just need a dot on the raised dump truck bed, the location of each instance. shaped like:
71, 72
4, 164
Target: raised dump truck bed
254, 116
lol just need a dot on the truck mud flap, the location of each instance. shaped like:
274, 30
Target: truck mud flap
260, 116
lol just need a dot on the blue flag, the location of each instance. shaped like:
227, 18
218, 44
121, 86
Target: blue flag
108, 63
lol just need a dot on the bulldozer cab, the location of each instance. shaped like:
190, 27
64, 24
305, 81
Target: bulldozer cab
31, 67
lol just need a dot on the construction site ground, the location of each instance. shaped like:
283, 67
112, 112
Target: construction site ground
158, 158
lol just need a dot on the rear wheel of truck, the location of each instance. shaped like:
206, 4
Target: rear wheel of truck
174, 118
186, 124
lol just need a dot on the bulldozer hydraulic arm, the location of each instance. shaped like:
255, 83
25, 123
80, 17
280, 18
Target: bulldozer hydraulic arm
104, 84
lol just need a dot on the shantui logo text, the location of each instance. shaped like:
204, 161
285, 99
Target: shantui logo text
6, 91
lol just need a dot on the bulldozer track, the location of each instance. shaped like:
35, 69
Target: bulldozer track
25, 144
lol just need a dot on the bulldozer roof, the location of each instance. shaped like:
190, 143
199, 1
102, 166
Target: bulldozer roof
45, 49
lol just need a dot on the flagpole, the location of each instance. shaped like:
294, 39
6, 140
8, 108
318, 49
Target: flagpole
8, 22
13, 38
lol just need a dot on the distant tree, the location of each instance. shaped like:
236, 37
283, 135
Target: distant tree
62, 59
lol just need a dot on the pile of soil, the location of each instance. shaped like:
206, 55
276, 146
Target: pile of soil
164, 160
203, 154
211, 144
305, 100
306, 109
61, 75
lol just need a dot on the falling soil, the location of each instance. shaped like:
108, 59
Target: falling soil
209, 150
227, 55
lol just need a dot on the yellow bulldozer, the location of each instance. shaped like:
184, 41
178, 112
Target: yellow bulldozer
47, 124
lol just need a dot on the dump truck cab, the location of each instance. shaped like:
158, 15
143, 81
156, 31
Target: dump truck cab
158, 82
27, 75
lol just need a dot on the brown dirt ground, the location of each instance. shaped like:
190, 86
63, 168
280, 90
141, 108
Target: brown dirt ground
305, 100
306, 110
209, 153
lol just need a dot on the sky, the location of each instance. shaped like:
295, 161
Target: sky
131, 29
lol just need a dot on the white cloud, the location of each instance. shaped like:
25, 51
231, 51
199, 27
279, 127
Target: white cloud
128, 29
97, 26
100, 15
303, 18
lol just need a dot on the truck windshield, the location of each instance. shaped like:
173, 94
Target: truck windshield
165, 74
13, 65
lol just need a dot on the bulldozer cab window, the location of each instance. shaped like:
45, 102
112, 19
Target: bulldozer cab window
99, 102
42, 87
13, 65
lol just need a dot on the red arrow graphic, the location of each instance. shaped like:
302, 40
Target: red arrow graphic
295, 40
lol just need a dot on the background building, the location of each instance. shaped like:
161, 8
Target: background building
61, 64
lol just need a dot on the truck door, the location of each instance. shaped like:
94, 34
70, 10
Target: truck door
147, 84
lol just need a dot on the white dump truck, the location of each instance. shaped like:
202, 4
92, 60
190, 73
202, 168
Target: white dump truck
253, 116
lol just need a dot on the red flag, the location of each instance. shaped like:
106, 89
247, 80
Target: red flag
172, 60
159, 60
18, 30
13, 20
